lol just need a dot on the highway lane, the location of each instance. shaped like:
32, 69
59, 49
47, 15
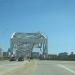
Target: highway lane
17, 67
37, 67
9, 66
55, 68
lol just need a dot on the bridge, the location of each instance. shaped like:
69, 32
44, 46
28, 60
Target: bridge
22, 44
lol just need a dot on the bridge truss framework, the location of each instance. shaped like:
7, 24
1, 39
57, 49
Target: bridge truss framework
22, 44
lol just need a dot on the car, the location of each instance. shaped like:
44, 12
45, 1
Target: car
21, 58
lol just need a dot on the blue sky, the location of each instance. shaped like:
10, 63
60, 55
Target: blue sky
55, 18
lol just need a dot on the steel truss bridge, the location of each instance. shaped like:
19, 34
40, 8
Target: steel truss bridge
23, 44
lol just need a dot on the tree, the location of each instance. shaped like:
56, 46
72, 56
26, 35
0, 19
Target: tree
63, 56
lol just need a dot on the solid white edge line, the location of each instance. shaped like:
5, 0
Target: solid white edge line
68, 69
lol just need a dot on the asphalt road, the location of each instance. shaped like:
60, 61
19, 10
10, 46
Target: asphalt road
37, 67
55, 68
7, 67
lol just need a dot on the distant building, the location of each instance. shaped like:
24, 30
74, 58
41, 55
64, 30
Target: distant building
1, 53
52, 56
35, 54
5, 54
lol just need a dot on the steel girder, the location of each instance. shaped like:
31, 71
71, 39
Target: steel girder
23, 43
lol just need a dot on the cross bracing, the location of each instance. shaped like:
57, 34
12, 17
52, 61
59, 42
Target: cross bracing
22, 43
